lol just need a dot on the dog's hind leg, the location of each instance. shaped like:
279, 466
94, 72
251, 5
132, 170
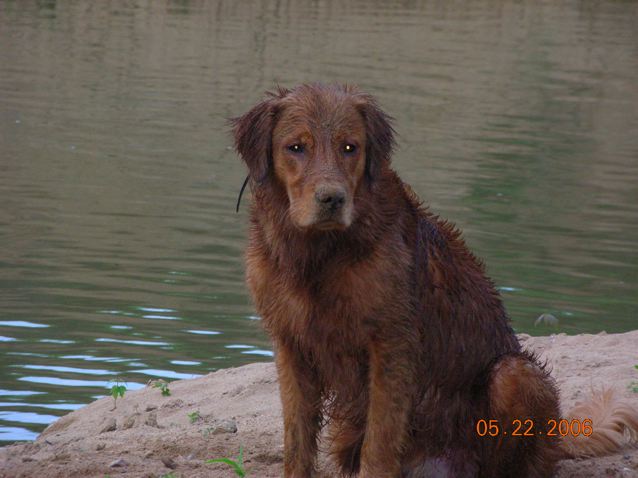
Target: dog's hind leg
523, 402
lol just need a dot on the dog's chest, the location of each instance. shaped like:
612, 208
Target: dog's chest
328, 304
325, 320
336, 346
329, 313
325, 314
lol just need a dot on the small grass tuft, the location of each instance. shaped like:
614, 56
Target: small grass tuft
194, 416
163, 386
237, 466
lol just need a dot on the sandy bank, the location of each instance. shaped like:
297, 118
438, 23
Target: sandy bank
150, 435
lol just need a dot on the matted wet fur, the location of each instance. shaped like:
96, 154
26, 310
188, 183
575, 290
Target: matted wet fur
384, 324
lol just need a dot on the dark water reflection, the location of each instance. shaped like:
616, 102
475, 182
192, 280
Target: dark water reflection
121, 252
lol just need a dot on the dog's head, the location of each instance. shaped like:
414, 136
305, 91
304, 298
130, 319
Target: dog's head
322, 144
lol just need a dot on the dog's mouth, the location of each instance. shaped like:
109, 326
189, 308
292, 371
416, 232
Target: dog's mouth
331, 220
329, 225
315, 217
322, 225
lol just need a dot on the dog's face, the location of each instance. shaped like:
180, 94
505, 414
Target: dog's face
320, 143
318, 154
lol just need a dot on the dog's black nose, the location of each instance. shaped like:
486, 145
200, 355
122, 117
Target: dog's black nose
332, 198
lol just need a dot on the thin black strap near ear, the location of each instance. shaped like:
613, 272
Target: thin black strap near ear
241, 191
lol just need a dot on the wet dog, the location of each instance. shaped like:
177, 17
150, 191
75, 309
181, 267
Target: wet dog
384, 324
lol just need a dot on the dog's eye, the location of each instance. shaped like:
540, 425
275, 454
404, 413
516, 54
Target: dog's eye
349, 148
296, 148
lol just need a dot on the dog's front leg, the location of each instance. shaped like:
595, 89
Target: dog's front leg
301, 403
391, 383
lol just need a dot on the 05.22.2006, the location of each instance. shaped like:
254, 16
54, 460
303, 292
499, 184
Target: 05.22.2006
527, 428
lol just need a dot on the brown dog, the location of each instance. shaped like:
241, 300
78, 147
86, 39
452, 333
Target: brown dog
383, 322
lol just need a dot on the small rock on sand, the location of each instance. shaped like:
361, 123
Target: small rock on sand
109, 425
129, 422
118, 463
151, 420
224, 426
169, 462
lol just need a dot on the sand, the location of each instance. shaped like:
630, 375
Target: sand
150, 435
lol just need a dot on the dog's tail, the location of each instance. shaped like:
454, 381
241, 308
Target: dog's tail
601, 425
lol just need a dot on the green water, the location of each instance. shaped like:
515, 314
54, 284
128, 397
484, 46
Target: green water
121, 254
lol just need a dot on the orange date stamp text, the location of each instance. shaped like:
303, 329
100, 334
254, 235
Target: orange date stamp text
528, 428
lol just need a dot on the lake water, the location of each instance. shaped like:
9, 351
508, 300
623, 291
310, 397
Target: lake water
121, 253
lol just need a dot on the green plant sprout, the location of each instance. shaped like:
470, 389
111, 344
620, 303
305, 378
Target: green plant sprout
117, 390
163, 386
237, 466
194, 416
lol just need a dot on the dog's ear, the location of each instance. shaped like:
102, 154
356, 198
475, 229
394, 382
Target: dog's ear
253, 137
379, 135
